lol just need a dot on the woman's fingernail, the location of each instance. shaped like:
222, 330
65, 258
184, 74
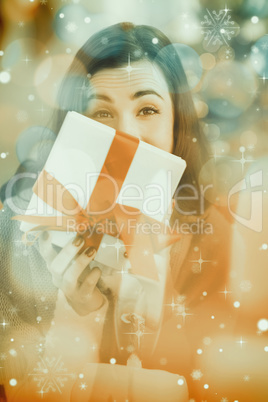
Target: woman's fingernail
45, 235
90, 251
78, 240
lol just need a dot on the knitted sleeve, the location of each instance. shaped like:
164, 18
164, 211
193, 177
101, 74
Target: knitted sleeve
27, 301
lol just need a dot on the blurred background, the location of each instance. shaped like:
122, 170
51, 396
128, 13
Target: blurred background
224, 50
223, 46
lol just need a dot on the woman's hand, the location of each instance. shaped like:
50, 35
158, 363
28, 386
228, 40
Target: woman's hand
71, 273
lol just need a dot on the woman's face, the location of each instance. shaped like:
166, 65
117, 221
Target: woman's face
134, 101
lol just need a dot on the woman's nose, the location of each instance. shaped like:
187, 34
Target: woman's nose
128, 125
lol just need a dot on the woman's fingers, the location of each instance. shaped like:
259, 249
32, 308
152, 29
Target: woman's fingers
65, 256
46, 249
74, 275
89, 292
90, 281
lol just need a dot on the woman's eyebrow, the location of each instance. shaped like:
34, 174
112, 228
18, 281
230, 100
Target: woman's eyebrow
101, 97
136, 95
139, 94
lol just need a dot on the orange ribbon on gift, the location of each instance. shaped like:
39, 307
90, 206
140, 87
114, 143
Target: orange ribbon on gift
102, 206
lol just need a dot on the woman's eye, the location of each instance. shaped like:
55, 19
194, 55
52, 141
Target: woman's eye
148, 111
102, 114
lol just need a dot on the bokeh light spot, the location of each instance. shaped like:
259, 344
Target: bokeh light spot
5, 77
254, 19
263, 324
259, 56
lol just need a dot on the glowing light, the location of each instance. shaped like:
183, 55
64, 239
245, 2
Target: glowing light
163, 361
258, 56
155, 41
81, 375
200, 261
26, 60
71, 27
207, 340
236, 304
199, 351
112, 360
13, 352
61, 15
220, 350
5, 77
31, 98
180, 381
208, 61
206, 386
3, 155
254, 19
225, 291
1, 53
264, 246
263, 324
87, 20
13, 382
265, 348
196, 374
241, 342
173, 305
204, 293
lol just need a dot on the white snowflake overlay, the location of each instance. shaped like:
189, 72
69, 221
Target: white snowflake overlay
50, 374
217, 27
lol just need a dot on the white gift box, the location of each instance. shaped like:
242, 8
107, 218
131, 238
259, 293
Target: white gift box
76, 160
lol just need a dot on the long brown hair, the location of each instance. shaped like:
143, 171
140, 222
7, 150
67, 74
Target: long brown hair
112, 48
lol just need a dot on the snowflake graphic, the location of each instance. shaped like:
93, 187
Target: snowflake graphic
245, 286
22, 116
50, 374
264, 46
180, 299
3, 356
218, 28
71, 27
196, 374
207, 340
